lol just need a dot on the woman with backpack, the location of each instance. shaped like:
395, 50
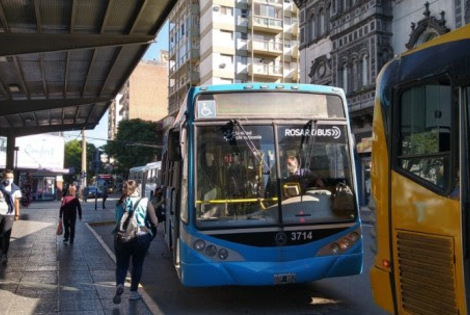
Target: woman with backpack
135, 227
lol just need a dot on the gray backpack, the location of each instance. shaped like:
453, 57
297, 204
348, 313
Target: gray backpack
128, 228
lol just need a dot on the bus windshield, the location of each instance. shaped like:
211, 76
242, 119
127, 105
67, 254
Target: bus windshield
244, 179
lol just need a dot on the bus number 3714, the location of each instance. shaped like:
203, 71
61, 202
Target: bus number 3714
301, 236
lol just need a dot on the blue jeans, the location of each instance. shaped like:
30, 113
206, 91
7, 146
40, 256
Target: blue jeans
137, 249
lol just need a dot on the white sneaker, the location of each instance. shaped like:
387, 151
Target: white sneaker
134, 296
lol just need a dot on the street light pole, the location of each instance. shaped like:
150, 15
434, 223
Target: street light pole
83, 173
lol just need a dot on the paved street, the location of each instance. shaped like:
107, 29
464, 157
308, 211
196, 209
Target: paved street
46, 276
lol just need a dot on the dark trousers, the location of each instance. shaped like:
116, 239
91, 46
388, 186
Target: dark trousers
69, 227
6, 225
135, 249
104, 202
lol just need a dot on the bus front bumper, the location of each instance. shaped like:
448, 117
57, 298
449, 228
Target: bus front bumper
269, 273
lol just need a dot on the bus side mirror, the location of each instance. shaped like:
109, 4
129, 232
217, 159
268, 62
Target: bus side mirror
174, 152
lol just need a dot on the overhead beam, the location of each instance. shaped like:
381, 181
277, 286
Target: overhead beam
17, 44
3, 18
137, 17
25, 131
24, 106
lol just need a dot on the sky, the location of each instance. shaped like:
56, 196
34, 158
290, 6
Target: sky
99, 135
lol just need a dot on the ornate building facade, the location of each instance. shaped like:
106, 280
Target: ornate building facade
345, 43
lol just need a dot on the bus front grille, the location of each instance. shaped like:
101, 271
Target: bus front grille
427, 274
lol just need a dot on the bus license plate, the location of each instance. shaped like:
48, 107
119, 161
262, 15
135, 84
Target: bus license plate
284, 278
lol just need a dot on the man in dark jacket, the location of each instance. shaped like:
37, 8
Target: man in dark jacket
68, 211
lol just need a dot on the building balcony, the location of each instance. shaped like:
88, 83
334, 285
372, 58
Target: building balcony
295, 52
296, 75
266, 24
295, 29
267, 48
264, 71
172, 53
275, 2
292, 8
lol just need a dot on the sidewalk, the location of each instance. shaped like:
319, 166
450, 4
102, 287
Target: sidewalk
46, 276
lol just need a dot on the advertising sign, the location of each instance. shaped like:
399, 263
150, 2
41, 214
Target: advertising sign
41, 151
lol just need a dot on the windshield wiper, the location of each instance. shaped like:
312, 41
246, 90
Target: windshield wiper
306, 155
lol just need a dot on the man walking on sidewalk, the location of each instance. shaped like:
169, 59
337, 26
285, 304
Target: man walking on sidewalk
104, 194
11, 196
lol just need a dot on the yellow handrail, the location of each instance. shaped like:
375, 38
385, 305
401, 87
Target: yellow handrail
245, 200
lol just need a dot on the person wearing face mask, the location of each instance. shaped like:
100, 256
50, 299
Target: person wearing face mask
10, 195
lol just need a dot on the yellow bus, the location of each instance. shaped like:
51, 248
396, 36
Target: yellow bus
420, 179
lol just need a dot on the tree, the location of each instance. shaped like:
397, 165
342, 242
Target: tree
73, 158
132, 145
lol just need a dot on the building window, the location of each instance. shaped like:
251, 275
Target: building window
354, 83
266, 11
226, 10
344, 74
312, 28
328, 17
364, 70
321, 26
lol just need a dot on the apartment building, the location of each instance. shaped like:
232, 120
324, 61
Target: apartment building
144, 95
222, 41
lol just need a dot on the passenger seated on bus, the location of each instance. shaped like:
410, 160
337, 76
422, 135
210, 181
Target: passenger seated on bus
207, 175
237, 177
301, 175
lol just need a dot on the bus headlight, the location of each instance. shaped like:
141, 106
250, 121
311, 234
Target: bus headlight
353, 236
211, 250
199, 245
223, 253
344, 243
335, 248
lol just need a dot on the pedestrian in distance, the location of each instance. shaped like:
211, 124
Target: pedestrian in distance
104, 194
85, 194
131, 205
10, 195
68, 213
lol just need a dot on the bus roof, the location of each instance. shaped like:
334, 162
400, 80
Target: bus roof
157, 164
268, 87
136, 168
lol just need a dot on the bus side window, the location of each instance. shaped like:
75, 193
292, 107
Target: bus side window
424, 144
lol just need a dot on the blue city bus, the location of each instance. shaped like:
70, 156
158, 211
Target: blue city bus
260, 186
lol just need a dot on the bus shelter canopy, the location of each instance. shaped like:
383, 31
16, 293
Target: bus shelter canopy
62, 62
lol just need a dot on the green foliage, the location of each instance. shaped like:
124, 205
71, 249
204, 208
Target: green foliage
129, 148
421, 143
73, 158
